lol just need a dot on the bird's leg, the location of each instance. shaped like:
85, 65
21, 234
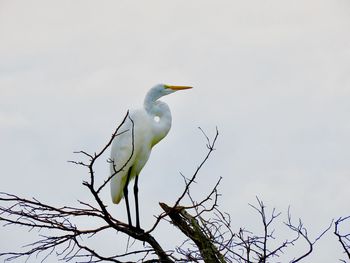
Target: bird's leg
136, 191
125, 190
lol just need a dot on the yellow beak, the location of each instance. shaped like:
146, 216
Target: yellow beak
177, 87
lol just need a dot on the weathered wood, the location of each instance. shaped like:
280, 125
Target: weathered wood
191, 228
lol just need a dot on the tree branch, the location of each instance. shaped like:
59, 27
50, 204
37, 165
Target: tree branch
191, 228
343, 239
34, 214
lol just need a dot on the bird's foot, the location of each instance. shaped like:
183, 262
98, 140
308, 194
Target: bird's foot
136, 229
139, 229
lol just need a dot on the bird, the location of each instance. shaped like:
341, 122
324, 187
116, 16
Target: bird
131, 148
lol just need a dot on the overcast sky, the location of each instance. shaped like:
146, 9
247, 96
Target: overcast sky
273, 76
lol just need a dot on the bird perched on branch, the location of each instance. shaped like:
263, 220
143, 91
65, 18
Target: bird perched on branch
132, 147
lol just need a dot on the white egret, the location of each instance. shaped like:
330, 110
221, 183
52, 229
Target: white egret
144, 129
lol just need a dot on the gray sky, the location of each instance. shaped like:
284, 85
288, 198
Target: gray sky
273, 75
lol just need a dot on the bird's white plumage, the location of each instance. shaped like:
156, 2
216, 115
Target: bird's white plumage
122, 150
151, 124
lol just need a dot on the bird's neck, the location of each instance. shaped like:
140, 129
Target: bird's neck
160, 115
151, 97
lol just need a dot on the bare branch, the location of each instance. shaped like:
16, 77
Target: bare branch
210, 146
344, 239
189, 182
191, 228
209, 236
126, 163
302, 232
65, 237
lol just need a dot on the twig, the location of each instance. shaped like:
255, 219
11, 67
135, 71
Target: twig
190, 181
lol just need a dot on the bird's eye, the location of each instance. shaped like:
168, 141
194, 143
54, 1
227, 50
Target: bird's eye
156, 119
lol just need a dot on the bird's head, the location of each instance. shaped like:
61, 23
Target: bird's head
159, 91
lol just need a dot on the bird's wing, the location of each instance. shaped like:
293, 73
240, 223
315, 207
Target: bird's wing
129, 152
